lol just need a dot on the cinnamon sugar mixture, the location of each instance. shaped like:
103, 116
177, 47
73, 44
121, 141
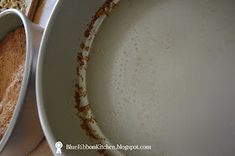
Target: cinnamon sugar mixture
16, 4
12, 58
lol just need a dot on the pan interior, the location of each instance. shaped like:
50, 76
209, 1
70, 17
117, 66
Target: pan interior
161, 73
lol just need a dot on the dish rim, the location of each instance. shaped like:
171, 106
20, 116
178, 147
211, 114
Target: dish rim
40, 104
26, 74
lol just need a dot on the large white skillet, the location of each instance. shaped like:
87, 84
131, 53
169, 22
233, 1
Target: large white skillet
161, 73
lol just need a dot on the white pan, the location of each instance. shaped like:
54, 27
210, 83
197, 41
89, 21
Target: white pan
160, 74
24, 132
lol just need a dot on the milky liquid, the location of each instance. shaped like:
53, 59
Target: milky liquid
161, 73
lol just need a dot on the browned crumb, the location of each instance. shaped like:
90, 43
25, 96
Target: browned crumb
84, 111
82, 45
105, 9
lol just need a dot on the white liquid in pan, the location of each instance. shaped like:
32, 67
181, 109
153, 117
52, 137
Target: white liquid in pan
161, 73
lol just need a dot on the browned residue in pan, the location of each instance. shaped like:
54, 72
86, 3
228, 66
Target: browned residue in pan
107, 7
82, 59
84, 110
83, 113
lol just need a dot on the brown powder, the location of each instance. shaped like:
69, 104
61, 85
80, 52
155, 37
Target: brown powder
12, 58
